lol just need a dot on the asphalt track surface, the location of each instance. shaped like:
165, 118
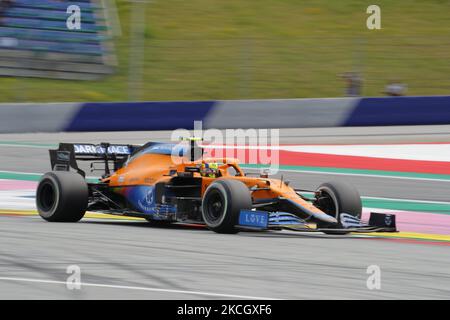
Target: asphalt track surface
130, 260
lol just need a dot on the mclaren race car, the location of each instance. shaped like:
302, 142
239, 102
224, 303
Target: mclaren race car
174, 182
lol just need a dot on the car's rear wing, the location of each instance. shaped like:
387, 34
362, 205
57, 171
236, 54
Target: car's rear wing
67, 155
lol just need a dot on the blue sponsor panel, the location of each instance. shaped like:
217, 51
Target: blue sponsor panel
143, 200
135, 116
179, 150
400, 111
254, 219
167, 149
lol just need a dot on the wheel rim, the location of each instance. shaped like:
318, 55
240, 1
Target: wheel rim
328, 204
46, 196
214, 207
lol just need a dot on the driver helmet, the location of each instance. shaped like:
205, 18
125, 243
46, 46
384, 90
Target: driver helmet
210, 170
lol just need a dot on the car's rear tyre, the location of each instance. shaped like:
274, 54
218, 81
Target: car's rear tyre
62, 196
338, 197
222, 202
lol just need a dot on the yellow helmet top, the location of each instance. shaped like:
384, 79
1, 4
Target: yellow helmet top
214, 165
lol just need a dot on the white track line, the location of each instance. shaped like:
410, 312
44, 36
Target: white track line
35, 173
359, 175
24, 146
398, 200
299, 171
20, 172
407, 200
98, 285
321, 172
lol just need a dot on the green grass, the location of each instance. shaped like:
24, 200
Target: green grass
240, 49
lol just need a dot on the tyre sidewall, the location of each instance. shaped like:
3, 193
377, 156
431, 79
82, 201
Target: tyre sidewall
56, 185
71, 197
224, 193
345, 197
234, 199
346, 200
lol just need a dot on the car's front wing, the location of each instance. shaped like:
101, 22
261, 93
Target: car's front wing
262, 220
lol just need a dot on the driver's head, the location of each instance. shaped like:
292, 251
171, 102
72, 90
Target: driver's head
203, 169
213, 169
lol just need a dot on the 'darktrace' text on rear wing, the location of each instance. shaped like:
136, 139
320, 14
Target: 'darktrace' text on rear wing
67, 155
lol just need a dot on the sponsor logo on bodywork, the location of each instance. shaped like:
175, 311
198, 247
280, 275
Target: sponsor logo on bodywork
249, 218
93, 149
147, 202
388, 220
63, 156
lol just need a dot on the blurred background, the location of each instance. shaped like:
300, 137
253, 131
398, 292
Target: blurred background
214, 49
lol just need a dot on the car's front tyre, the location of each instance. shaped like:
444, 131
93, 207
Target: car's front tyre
222, 203
335, 198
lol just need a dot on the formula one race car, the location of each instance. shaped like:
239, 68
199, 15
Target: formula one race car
167, 183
